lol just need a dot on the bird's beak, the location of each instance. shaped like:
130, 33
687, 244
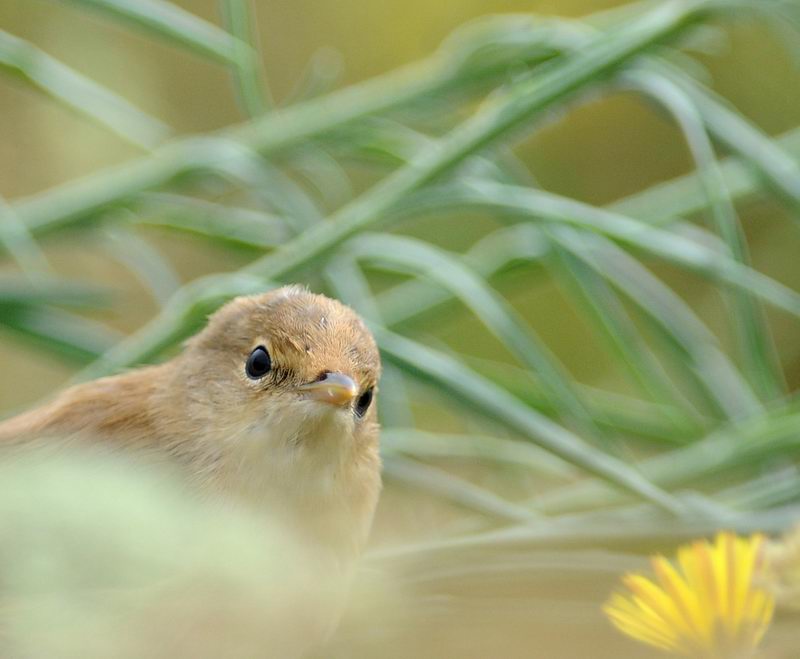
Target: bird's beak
332, 388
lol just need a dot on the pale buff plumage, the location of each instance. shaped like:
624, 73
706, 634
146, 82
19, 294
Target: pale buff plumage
266, 444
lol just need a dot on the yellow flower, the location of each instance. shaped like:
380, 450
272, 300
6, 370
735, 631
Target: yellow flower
709, 607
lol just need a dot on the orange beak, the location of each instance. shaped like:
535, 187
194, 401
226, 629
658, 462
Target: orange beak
333, 388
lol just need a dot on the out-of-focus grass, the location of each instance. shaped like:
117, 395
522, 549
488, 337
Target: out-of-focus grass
706, 436
105, 556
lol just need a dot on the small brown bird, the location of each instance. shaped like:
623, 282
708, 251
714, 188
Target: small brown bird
271, 406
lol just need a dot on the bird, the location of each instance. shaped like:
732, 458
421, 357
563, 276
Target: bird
271, 406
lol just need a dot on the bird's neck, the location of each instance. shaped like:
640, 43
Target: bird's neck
327, 500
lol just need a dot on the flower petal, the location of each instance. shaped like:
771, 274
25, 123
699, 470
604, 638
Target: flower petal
707, 607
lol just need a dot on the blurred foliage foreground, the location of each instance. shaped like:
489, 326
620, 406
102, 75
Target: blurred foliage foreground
709, 441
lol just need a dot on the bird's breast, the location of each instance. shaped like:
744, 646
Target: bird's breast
304, 467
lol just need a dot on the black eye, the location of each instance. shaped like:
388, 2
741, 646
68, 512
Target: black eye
362, 404
258, 363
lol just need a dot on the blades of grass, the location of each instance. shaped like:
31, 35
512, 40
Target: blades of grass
756, 346
643, 531
80, 94
257, 229
696, 349
786, 25
486, 42
348, 283
452, 488
327, 176
381, 142
723, 122
71, 336
616, 326
481, 395
419, 258
721, 379
787, 10
666, 245
630, 416
421, 444
267, 183
20, 244
250, 81
553, 594
278, 191
185, 313
145, 262
731, 129
220, 222
746, 447
395, 408
324, 69
312, 161
16, 291
171, 23
524, 102
73, 203
491, 254
683, 196
79, 202
122, 185
770, 157
386, 143
777, 488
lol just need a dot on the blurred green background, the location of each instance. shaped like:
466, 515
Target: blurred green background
598, 152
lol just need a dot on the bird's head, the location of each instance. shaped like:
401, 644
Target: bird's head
286, 353
279, 391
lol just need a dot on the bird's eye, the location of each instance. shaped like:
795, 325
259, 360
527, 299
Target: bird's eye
258, 363
362, 404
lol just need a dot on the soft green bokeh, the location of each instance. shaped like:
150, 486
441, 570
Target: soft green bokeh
597, 152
